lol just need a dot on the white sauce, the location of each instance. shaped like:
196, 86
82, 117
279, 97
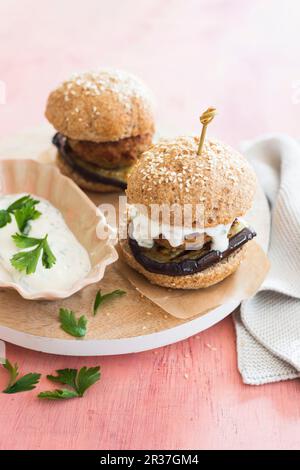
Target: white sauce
144, 231
72, 260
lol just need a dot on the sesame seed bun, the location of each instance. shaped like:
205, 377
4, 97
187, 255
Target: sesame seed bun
206, 278
171, 172
102, 106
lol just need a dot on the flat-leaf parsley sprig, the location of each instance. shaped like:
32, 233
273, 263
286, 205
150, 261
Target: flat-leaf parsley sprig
25, 214
23, 384
27, 260
70, 324
78, 381
101, 298
24, 210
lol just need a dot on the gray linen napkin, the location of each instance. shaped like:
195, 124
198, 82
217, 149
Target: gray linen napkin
268, 325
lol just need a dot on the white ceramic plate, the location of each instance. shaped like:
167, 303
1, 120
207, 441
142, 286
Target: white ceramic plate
101, 347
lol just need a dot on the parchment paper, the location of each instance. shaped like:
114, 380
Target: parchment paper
185, 304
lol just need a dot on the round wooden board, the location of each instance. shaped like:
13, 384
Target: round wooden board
128, 324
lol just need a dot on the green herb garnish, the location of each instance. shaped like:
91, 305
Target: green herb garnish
27, 260
5, 218
19, 203
25, 383
100, 299
78, 381
25, 214
64, 376
70, 324
63, 394
24, 210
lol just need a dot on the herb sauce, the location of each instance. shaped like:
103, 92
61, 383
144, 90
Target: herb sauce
72, 260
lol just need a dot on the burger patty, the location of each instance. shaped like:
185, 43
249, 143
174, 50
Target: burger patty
93, 173
181, 262
189, 240
123, 152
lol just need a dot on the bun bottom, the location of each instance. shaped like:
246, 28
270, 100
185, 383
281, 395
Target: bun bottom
207, 277
83, 182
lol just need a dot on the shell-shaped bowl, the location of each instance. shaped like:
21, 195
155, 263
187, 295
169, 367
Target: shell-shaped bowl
83, 218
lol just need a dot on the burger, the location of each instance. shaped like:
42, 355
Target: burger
219, 182
104, 121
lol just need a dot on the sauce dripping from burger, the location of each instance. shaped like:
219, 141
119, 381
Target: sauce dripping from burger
145, 230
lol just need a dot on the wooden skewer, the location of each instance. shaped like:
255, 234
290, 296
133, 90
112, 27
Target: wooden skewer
205, 119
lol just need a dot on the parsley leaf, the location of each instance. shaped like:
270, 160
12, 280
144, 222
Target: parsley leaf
27, 260
19, 203
13, 371
65, 376
70, 324
26, 213
25, 383
86, 378
99, 299
63, 394
23, 210
79, 381
22, 241
5, 218
48, 258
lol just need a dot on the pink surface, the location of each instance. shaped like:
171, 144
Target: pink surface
243, 58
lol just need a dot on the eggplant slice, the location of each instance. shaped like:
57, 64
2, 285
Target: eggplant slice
188, 261
89, 171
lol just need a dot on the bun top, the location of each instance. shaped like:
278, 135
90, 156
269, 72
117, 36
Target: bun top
171, 172
101, 106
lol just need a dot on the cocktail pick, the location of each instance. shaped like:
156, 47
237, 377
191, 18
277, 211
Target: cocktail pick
205, 119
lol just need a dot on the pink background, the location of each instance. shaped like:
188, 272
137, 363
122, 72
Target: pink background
243, 58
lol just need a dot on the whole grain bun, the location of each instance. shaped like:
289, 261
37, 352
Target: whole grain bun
171, 172
101, 106
81, 181
206, 278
